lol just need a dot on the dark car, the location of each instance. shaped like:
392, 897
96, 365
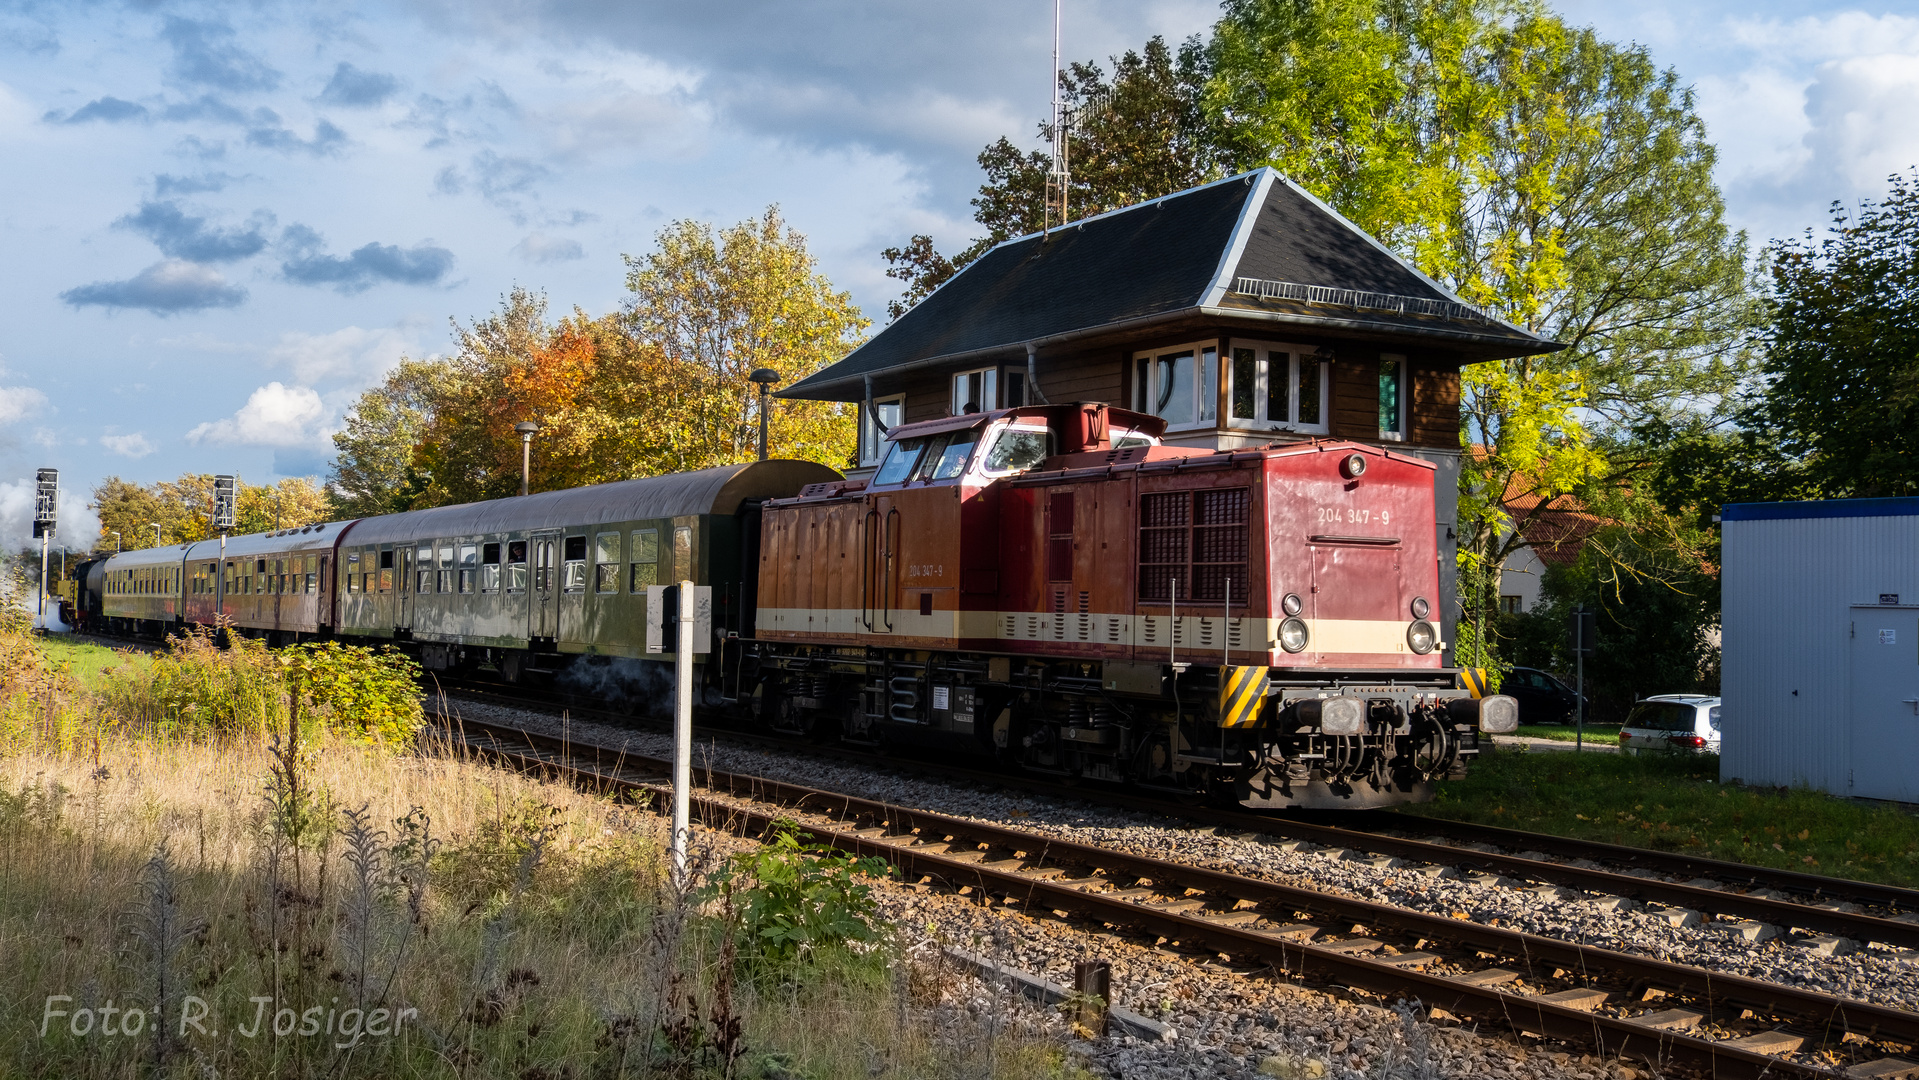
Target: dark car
1542, 698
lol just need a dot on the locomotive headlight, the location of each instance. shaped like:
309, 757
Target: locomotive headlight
1290, 605
1353, 466
1292, 635
1421, 637
1421, 608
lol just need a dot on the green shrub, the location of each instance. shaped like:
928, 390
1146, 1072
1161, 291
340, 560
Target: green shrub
369, 693
788, 898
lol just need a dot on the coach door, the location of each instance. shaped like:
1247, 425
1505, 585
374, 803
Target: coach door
545, 590
403, 587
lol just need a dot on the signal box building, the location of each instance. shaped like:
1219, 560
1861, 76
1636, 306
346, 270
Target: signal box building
1820, 655
1242, 313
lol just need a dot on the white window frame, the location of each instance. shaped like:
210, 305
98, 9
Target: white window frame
1265, 354
1206, 405
871, 441
1405, 397
989, 390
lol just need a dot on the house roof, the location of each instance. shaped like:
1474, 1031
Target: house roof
1253, 247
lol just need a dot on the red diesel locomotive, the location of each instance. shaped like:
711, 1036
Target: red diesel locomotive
1049, 583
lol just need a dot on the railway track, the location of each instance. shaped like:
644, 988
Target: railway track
1659, 1012
1842, 913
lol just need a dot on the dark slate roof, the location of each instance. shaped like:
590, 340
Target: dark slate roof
1179, 255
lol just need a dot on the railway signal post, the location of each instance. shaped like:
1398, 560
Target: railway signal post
46, 511
679, 620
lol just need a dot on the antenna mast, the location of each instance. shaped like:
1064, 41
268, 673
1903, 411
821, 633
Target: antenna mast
1056, 177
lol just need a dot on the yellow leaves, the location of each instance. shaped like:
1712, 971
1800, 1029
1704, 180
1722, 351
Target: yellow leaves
1805, 834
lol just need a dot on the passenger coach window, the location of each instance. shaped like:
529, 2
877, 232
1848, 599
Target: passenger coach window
489, 568
646, 559
386, 569
606, 562
423, 578
1016, 450
469, 567
516, 566
446, 568
575, 557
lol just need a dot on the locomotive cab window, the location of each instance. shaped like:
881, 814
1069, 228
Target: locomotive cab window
489, 568
900, 459
575, 560
951, 461
516, 566
645, 569
606, 562
1016, 449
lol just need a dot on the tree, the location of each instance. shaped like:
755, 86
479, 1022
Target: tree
1842, 349
1557, 180
715, 307
184, 508
373, 471
1139, 136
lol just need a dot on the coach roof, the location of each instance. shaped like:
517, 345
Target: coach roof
718, 490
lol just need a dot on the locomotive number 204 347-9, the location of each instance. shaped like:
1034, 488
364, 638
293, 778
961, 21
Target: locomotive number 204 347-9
1352, 515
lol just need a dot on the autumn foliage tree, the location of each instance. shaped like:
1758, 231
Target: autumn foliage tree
183, 508
658, 386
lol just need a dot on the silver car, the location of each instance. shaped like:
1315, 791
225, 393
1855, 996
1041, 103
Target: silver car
1672, 724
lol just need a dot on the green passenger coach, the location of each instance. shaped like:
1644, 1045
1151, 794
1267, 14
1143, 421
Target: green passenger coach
561, 571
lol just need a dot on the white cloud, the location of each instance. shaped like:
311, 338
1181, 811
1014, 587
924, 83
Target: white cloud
136, 445
357, 355
19, 402
541, 248
77, 529
275, 415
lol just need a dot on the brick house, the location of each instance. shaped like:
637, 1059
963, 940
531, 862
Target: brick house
1243, 312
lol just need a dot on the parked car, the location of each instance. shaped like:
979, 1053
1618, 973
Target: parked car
1542, 698
1672, 724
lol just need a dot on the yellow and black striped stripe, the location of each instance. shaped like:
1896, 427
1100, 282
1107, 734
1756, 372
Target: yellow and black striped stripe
1241, 690
1474, 679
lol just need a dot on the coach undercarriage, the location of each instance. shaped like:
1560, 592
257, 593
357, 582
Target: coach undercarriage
1340, 740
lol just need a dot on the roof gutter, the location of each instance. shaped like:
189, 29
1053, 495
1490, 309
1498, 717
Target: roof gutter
1203, 310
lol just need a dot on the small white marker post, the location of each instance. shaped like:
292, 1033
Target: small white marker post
682, 734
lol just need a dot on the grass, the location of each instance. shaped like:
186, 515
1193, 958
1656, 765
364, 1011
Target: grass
530, 930
1675, 803
90, 663
1606, 733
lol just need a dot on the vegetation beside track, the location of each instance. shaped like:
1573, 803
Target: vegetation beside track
203, 829
1675, 803
1606, 734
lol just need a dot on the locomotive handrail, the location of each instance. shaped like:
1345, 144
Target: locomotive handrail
886, 593
866, 569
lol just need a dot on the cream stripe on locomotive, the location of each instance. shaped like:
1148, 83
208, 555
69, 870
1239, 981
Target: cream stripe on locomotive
1200, 633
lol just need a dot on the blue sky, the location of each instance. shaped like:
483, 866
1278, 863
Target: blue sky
224, 221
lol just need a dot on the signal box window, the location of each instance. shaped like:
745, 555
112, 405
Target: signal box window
575, 558
975, 391
1180, 385
1278, 386
516, 566
606, 563
872, 442
1392, 396
1192, 546
645, 569
489, 568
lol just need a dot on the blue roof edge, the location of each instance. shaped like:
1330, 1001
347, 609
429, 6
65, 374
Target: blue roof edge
1822, 508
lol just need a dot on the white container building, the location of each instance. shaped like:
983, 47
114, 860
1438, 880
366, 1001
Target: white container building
1820, 662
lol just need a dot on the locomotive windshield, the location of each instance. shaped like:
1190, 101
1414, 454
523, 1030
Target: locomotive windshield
898, 465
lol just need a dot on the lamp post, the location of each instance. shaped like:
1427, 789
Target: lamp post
116, 543
766, 377
526, 428
156, 532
